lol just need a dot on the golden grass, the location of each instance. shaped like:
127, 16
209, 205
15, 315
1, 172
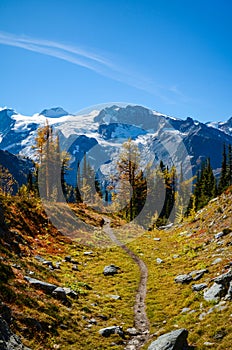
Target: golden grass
183, 248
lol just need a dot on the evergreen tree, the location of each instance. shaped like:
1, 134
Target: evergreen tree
229, 166
223, 182
205, 186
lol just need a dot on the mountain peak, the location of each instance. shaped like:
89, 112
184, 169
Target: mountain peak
54, 112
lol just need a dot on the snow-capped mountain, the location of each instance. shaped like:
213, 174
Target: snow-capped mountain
223, 126
102, 131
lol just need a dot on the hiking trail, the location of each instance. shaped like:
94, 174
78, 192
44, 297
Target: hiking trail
141, 322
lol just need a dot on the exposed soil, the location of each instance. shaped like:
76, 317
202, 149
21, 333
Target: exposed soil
141, 322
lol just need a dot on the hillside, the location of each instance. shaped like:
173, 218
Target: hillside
32, 247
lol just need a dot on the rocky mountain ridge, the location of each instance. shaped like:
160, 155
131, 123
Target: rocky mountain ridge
101, 132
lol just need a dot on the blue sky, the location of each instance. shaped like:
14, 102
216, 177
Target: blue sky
173, 56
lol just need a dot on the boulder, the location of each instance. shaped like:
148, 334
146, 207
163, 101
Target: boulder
46, 287
107, 332
224, 279
198, 287
110, 270
183, 279
175, 340
215, 292
197, 274
8, 340
70, 293
59, 293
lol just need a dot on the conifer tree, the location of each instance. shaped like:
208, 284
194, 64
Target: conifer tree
223, 181
132, 182
52, 164
205, 186
229, 166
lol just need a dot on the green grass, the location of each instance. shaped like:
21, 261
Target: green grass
184, 248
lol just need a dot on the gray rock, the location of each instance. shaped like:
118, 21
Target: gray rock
70, 293
8, 340
185, 309
215, 292
216, 261
229, 292
157, 239
59, 293
107, 332
175, 340
93, 321
198, 287
218, 235
223, 233
110, 270
197, 274
57, 265
224, 278
183, 279
39, 258
114, 296
159, 261
88, 253
132, 331
46, 287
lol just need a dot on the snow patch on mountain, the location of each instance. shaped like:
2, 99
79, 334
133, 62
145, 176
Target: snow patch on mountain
55, 112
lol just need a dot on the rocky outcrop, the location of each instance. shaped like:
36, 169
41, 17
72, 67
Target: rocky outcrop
222, 287
57, 292
198, 287
192, 276
46, 287
175, 340
8, 340
183, 279
214, 293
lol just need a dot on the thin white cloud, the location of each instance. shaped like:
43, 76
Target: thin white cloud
86, 59
54, 49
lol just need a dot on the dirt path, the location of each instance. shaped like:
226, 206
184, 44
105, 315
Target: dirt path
141, 322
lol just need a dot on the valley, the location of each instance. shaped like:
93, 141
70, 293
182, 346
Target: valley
29, 242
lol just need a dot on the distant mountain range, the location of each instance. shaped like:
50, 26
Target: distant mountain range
101, 133
18, 166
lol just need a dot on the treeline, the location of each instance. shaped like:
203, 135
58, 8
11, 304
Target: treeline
150, 195
206, 186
